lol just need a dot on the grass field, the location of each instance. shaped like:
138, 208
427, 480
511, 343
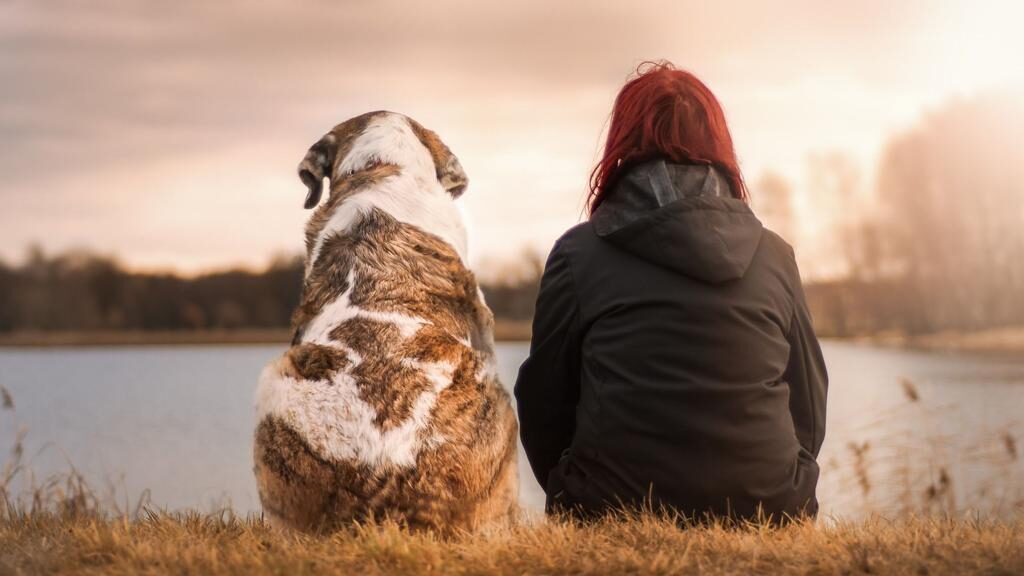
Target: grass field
62, 526
156, 543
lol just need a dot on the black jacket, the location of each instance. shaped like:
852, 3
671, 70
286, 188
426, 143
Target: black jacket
673, 360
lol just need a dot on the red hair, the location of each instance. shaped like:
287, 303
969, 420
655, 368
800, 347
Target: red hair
665, 113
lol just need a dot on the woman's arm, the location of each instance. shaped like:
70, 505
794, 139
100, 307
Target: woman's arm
547, 388
807, 377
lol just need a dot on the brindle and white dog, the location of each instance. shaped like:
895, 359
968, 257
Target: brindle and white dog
388, 403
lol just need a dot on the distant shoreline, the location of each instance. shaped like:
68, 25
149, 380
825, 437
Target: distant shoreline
1006, 342
503, 332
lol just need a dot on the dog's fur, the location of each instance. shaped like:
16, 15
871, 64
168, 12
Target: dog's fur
388, 403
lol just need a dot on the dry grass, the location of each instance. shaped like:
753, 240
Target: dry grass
61, 526
222, 544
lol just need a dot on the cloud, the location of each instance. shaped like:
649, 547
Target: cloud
106, 104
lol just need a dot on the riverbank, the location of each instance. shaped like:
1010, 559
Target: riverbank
221, 544
503, 331
1005, 341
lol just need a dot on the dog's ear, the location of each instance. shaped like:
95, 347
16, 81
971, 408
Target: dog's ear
316, 166
452, 177
449, 171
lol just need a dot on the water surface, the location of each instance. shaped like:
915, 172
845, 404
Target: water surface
178, 421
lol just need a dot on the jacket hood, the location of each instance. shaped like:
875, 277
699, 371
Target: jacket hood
682, 217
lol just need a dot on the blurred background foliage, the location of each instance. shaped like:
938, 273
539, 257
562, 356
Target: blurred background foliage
935, 243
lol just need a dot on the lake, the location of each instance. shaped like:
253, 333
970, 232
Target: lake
907, 431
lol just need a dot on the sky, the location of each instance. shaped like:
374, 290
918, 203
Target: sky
168, 133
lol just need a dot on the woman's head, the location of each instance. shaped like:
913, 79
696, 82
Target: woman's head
665, 113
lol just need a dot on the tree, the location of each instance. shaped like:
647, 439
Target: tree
952, 194
773, 200
838, 198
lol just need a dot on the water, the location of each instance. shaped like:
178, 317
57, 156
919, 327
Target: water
177, 421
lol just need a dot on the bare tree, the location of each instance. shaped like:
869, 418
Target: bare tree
952, 191
838, 198
773, 200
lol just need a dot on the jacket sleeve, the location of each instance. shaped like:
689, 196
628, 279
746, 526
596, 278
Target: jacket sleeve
807, 377
547, 388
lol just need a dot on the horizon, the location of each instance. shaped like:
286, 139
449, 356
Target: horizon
177, 129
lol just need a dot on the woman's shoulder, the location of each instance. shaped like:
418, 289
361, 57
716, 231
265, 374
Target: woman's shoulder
779, 254
579, 232
574, 239
777, 245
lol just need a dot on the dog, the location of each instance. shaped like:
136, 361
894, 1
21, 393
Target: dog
388, 403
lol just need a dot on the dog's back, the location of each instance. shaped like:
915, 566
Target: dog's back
387, 404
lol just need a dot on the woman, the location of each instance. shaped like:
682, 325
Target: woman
673, 361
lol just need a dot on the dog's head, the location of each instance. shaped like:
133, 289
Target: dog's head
374, 139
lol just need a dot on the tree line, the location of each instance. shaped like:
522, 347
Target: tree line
81, 291
935, 243
939, 244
